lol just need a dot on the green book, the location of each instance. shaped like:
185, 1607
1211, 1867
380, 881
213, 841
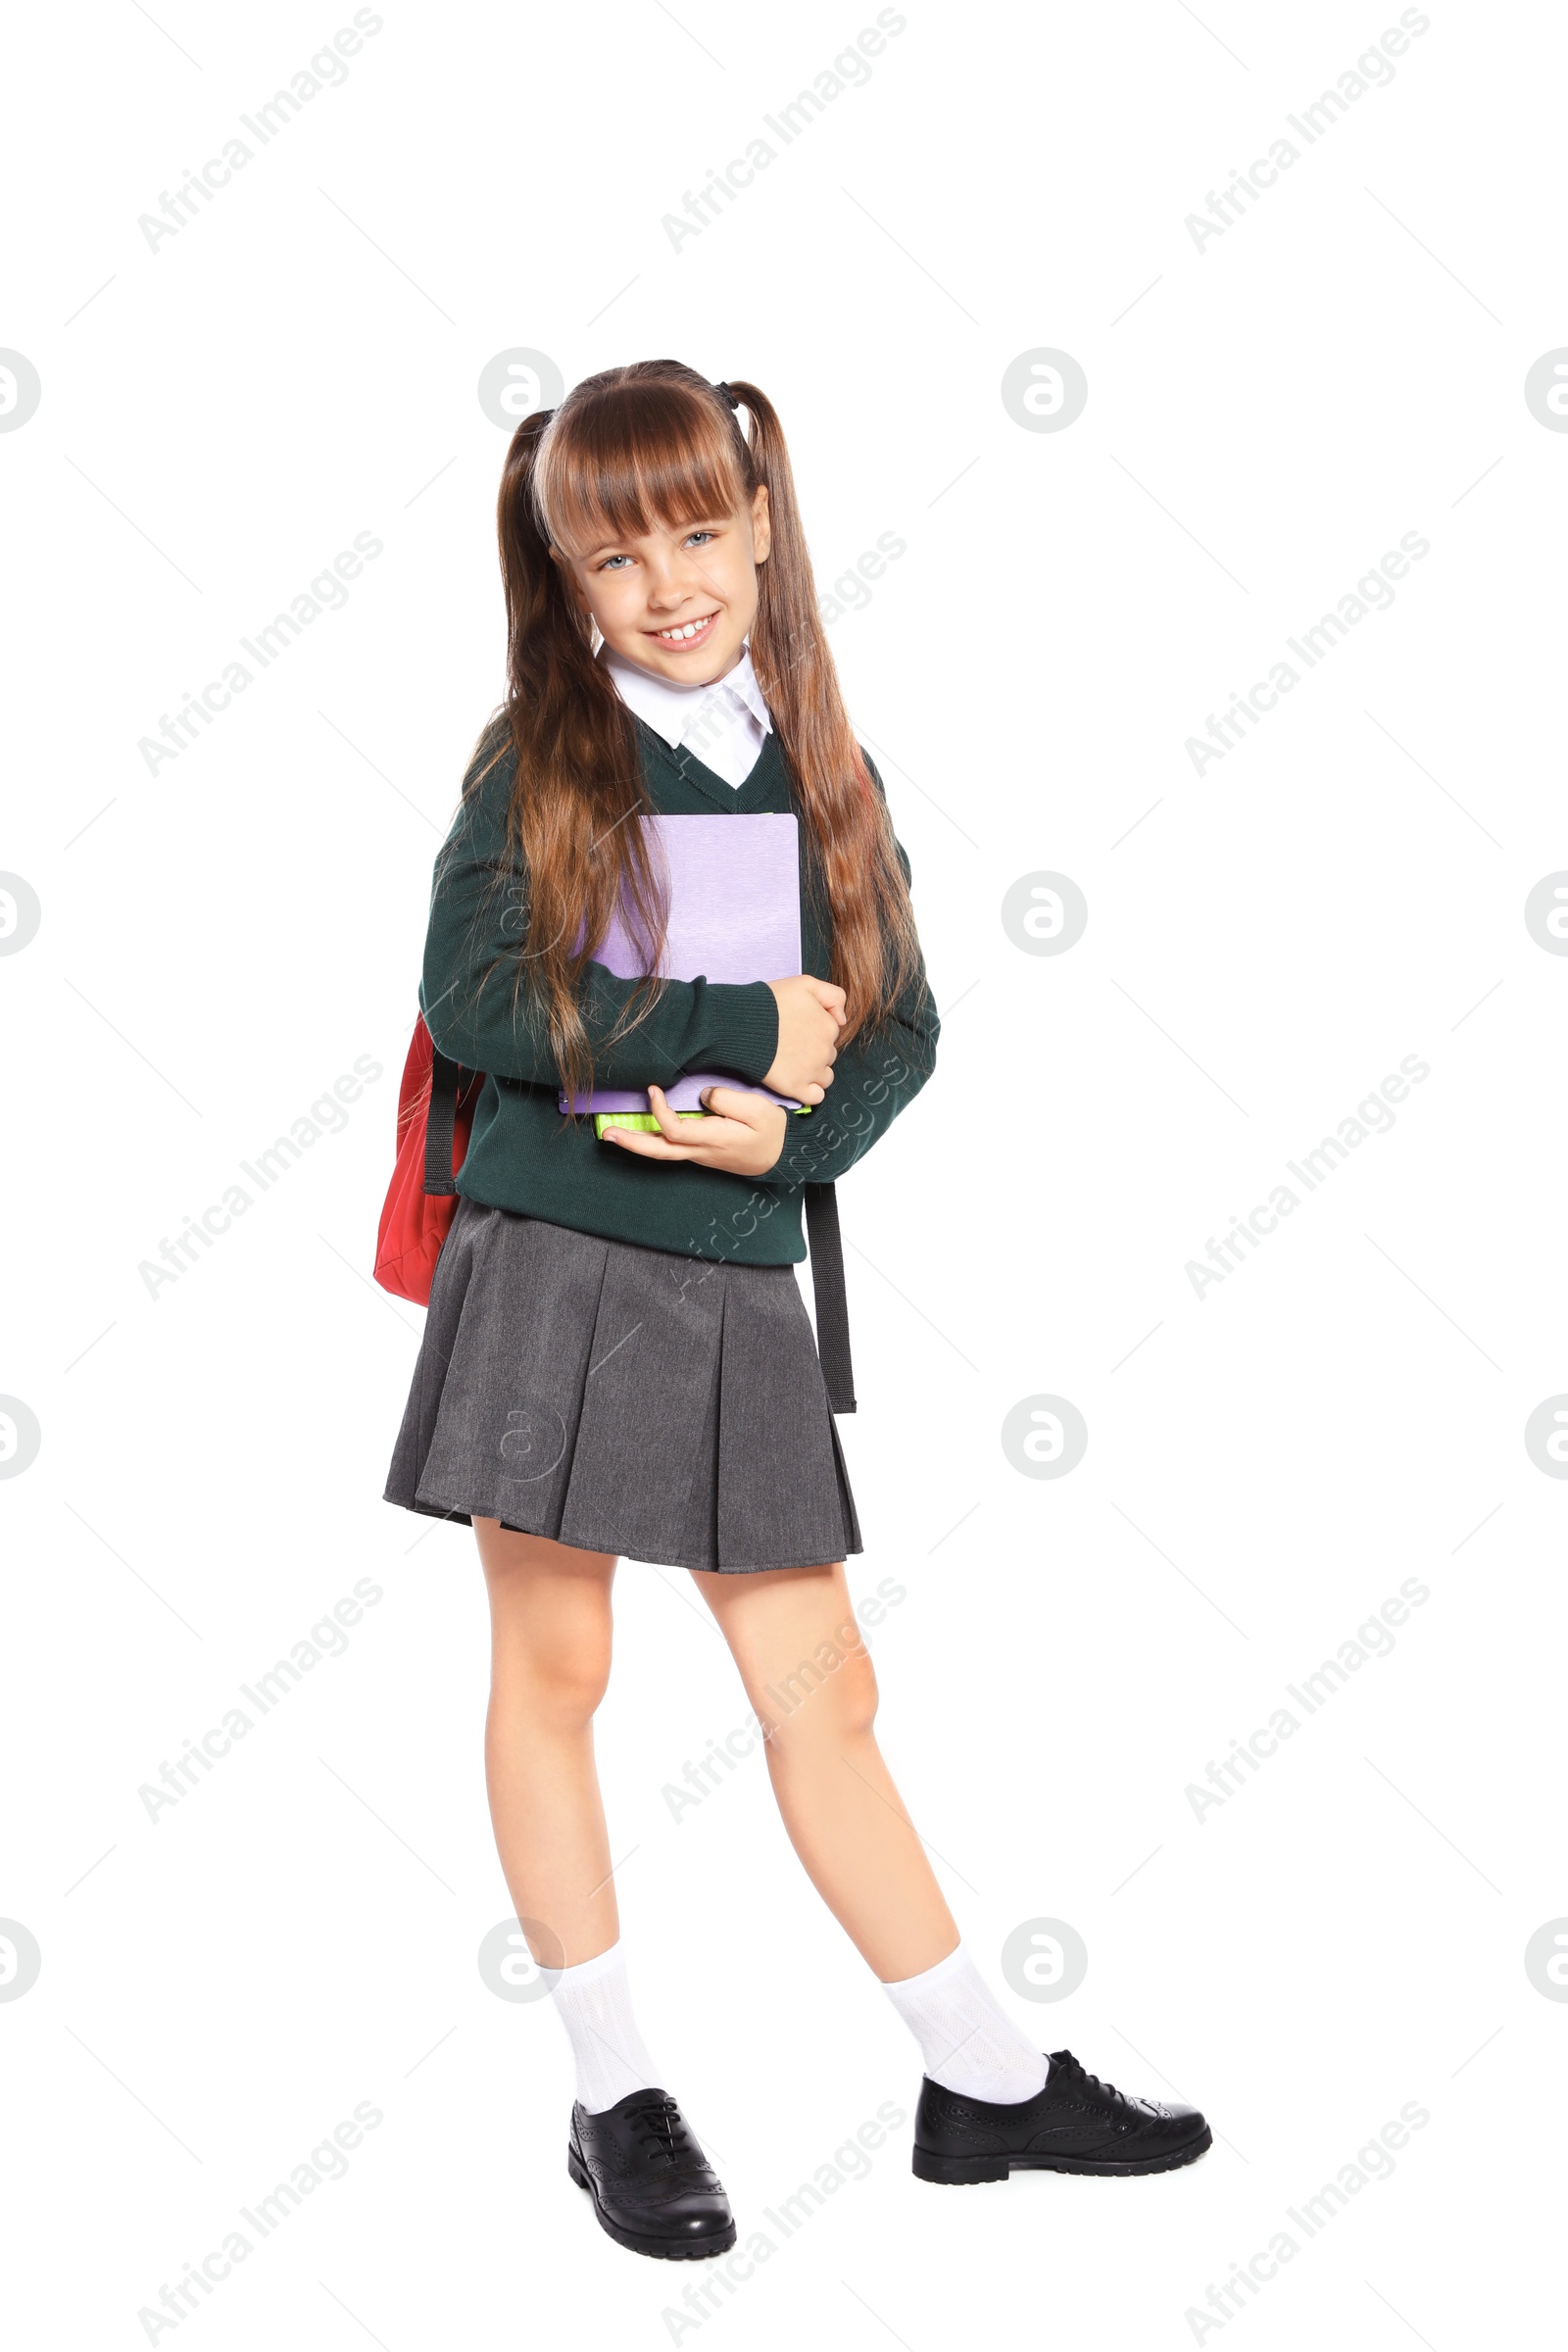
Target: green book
646, 1119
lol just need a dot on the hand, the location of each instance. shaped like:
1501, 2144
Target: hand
744, 1133
810, 1015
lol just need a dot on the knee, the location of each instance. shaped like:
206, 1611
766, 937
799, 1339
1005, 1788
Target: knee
818, 1702
563, 1685
550, 1632
552, 1673
858, 1695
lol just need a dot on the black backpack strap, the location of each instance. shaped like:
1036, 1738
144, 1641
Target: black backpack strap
446, 1078
827, 1285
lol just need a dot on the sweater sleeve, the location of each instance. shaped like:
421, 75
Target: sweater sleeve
873, 1080
479, 1018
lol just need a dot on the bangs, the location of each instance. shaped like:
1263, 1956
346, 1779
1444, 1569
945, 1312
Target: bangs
636, 459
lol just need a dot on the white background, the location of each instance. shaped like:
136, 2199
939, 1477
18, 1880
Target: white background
219, 940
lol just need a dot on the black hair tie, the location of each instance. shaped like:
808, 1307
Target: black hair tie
727, 396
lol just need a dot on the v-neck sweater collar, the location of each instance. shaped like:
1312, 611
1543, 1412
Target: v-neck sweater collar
767, 787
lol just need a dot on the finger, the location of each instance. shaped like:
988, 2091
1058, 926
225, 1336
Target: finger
669, 1126
812, 1094
717, 1136
645, 1145
731, 1102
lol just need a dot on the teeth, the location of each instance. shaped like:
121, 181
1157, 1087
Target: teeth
690, 628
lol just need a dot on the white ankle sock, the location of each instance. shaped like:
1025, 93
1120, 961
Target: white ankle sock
594, 2003
969, 2044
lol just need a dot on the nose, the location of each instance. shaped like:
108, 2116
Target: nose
672, 579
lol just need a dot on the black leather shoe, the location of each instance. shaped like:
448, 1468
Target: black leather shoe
1076, 2125
653, 2188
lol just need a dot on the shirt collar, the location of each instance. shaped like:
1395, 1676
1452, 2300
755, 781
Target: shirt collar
670, 709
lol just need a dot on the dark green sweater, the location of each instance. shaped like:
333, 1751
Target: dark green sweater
524, 1155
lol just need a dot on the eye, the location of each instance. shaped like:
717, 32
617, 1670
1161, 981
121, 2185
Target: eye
696, 537
612, 560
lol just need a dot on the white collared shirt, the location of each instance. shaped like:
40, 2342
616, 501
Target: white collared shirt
723, 724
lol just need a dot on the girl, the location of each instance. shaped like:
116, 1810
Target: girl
618, 1360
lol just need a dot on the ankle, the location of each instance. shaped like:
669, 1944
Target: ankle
592, 2001
967, 2040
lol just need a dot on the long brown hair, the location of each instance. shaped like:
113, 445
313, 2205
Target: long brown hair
639, 445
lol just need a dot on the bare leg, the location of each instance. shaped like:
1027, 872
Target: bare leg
844, 1816
550, 1663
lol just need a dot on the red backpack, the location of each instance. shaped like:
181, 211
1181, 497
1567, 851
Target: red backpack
435, 1114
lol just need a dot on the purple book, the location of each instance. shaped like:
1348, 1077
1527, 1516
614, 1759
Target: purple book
734, 915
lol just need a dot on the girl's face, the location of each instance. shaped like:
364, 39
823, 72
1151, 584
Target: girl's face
680, 602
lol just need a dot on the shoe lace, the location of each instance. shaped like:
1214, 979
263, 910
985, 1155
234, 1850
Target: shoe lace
1066, 2059
660, 2127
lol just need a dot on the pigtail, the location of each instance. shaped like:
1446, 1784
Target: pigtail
578, 777
876, 951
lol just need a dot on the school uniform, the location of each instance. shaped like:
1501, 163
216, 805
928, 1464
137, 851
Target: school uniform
616, 1353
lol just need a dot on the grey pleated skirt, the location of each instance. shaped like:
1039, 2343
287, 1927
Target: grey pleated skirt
623, 1400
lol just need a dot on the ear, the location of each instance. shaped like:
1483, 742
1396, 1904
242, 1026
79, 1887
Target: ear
761, 525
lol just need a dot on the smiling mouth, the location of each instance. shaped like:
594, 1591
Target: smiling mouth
684, 632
